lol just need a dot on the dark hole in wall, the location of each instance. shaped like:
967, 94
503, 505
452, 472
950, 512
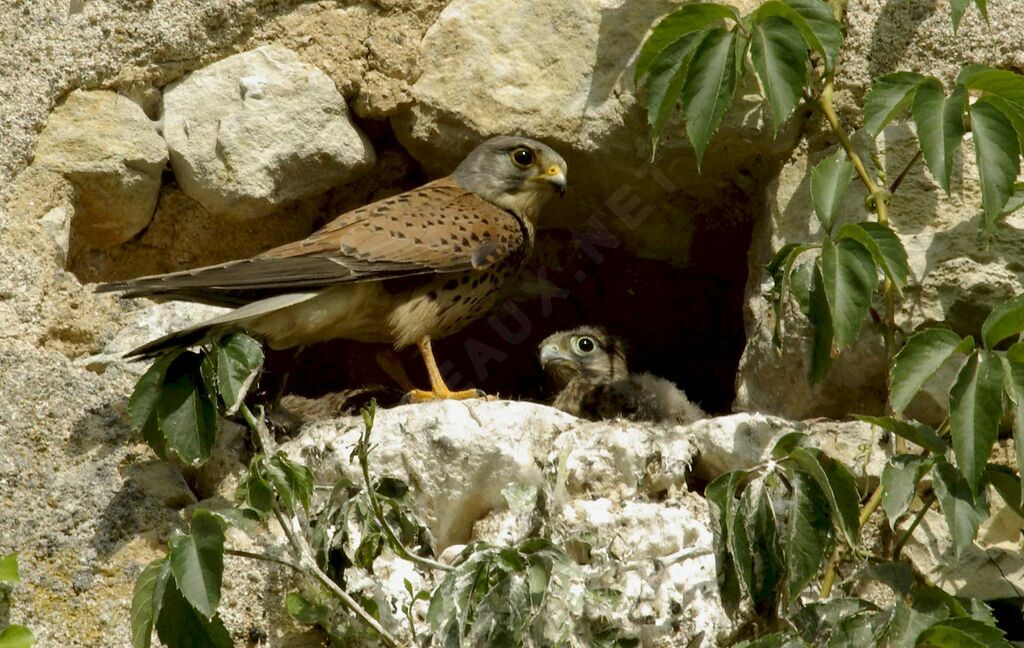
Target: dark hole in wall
1009, 614
685, 324
682, 323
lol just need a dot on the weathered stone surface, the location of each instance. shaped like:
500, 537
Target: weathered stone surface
475, 467
107, 147
743, 441
957, 278
258, 130
488, 71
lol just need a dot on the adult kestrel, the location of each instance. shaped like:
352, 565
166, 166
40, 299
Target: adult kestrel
407, 269
587, 367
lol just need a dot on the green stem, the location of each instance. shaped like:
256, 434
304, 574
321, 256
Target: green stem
265, 558
307, 564
878, 195
903, 174
378, 512
913, 525
266, 442
865, 514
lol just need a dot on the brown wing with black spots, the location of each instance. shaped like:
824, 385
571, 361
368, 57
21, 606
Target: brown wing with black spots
440, 227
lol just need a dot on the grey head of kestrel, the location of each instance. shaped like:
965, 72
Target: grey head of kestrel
586, 368
410, 268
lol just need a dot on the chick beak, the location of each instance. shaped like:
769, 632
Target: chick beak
556, 176
550, 353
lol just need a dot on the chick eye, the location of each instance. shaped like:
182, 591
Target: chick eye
522, 156
585, 344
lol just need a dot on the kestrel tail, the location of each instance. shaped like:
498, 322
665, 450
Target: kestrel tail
408, 269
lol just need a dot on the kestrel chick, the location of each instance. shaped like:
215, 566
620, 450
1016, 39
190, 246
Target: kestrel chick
407, 269
587, 367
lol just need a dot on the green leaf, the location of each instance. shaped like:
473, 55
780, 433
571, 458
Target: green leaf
305, 611
1013, 379
838, 485
787, 443
292, 481
816, 620
721, 495
888, 98
197, 562
975, 406
913, 431
681, 22
829, 180
756, 514
1016, 200
9, 568
16, 636
885, 248
957, 9
819, 27
254, 490
958, 504
821, 321
239, 360
665, 81
909, 621
1008, 484
849, 278
180, 626
998, 152
1001, 83
142, 404
780, 268
780, 60
809, 534
1013, 112
147, 599
721, 498
940, 126
188, 417
899, 484
709, 85
962, 633
1005, 320
923, 354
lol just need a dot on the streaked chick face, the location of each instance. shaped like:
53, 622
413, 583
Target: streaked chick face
515, 173
586, 351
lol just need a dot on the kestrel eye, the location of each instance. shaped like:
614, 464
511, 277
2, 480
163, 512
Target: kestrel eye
585, 345
523, 157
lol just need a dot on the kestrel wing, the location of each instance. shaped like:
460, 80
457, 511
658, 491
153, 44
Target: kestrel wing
439, 227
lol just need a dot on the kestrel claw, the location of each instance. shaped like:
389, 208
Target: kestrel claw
417, 266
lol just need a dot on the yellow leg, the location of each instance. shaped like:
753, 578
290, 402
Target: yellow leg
438, 389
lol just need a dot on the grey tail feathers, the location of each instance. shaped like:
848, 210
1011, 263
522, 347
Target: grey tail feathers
235, 320
191, 336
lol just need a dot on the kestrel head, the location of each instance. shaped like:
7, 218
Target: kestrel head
515, 173
588, 352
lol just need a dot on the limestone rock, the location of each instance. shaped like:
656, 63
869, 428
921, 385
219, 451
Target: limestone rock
957, 279
991, 568
109, 149
475, 467
260, 129
145, 323
487, 71
742, 441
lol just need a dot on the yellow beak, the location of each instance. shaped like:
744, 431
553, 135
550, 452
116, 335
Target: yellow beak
556, 176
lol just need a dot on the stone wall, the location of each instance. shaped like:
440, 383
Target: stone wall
144, 136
